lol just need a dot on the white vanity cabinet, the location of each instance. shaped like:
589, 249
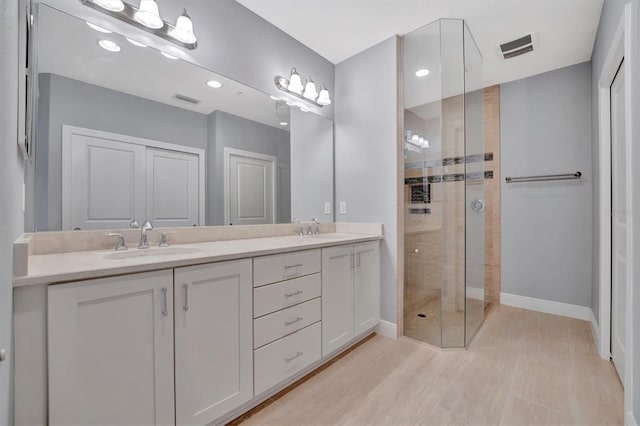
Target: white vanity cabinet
213, 343
110, 351
350, 293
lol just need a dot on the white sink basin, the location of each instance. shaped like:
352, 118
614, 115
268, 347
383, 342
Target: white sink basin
165, 251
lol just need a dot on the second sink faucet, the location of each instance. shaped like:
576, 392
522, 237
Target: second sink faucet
144, 241
316, 227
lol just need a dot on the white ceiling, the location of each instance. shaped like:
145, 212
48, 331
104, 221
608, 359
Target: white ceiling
68, 47
339, 29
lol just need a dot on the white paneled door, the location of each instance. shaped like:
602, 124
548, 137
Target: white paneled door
618, 221
109, 179
249, 187
172, 188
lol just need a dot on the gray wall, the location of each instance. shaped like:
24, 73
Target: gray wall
611, 14
239, 133
545, 125
11, 178
366, 161
312, 172
232, 41
64, 101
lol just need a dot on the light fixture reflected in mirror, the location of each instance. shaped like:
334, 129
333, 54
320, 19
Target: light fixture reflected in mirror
284, 123
109, 46
422, 72
308, 93
416, 140
147, 17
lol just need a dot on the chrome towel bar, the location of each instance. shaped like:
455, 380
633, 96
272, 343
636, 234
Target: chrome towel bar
544, 178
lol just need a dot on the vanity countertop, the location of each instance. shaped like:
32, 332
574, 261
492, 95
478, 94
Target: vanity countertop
73, 266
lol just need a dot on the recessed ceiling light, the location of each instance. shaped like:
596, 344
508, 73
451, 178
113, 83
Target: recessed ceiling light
214, 83
284, 123
109, 45
136, 43
274, 98
97, 28
166, 55
422, 72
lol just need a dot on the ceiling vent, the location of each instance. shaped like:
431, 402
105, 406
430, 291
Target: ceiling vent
518, 47
185, 98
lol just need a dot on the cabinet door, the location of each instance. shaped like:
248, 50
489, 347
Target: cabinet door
337, 297
214, 344
110, 351
366, 287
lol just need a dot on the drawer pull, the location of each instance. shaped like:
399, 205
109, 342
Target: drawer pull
295, 293
288, 323
297, 265
298, 355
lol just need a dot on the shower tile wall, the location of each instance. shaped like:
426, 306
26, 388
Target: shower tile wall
434, 243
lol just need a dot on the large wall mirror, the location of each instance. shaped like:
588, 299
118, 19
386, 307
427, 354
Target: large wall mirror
126, 132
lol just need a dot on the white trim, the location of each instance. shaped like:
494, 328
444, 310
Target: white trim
619, 49
228, 152
631, 420
475, 293
69, 131
387, 329
595, 329
546, 306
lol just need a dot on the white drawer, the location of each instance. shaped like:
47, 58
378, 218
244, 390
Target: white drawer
274, 326
285, 357
274, 297
279, 267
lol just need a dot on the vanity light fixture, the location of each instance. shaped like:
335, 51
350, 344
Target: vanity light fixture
416, 140
109, 46
97, 28
214, 84
111, 5
135, 43
422, 72
308, 93
147, 17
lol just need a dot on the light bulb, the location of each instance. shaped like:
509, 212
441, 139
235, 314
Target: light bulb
148, 15
323, 98
109, 45
426, 143
415, 139
310, 91
97, 28
295, 82
214, 84
111, 5
184, 29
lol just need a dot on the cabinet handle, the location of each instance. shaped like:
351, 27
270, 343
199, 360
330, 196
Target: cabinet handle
351, 258
297, 265
165, 307
297, 355
186, 297
295, 293
288, 323
358, 261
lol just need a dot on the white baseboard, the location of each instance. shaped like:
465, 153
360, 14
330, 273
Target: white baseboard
547, 306
387, 329
630, 420
475, 293
595, 330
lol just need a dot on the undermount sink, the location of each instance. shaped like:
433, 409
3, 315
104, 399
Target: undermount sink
129, 254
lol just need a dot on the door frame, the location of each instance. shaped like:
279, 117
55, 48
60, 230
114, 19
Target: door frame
69, 131
228, 152
619, 49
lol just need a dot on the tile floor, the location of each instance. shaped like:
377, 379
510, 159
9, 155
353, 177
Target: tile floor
523, 368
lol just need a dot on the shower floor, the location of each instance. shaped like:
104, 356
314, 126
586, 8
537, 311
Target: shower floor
423, 321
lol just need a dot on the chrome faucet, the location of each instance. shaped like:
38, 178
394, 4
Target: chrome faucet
316, 226
134, 224
120, 245
163, 239
144, 241
300, 230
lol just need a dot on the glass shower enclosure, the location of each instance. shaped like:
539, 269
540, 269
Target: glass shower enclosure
443, 185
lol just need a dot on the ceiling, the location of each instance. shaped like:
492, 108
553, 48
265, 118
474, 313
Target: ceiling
339, 29
68, 47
